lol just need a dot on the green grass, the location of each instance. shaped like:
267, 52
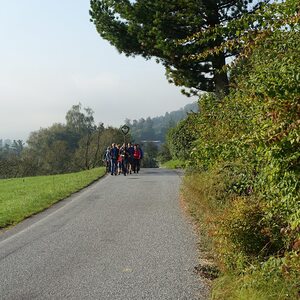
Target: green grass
255, 286
275, 279
173, 164
23, 197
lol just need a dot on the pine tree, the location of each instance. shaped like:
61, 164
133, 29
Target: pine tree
155, 28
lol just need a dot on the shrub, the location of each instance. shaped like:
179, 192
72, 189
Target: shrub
247, 156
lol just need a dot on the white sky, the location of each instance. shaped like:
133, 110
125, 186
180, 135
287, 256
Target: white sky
51, 57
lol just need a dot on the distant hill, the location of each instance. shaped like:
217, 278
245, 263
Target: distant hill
155, 129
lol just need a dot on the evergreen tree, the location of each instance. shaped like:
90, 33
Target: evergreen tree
155, 28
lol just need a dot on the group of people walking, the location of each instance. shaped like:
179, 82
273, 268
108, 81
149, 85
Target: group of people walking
123, 159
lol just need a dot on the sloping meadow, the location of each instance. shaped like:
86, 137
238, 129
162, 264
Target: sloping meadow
22, 197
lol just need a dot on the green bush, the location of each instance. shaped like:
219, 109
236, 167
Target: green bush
247, 157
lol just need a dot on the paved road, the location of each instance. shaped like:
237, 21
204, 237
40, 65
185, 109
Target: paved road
121, 238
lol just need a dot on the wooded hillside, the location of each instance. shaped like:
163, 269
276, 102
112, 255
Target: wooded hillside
155, 129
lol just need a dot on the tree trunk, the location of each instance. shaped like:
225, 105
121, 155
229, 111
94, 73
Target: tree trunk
87, 166
218, 62
98, 147
220, 76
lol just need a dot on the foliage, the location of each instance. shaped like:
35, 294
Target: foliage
11, 159
150, 151
173, 164
152, 130
153, 29
61, 148
180, 138
245, 32
51, 149
155, 129
246, 190
80, 144
277, 279
164, 154
22, 197
80, 122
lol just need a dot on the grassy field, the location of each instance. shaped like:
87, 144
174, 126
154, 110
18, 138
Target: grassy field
23, 197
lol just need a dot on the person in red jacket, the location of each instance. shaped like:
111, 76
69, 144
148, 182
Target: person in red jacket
136, 159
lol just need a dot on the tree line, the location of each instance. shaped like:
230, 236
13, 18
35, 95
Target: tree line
77, 145
155, 129
80, 143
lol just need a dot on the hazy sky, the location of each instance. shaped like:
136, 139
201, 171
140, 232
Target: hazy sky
51, 57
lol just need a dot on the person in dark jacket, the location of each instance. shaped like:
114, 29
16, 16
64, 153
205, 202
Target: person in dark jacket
114, 154
130, 151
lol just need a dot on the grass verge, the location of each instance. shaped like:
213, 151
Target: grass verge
221, 220
23, 197
173, 164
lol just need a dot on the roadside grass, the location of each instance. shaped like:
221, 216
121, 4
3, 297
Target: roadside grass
211, 209
173, 164
198, 191
254, 286
23, 197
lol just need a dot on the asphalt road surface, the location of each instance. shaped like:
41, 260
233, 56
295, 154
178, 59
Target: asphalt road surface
120, 238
